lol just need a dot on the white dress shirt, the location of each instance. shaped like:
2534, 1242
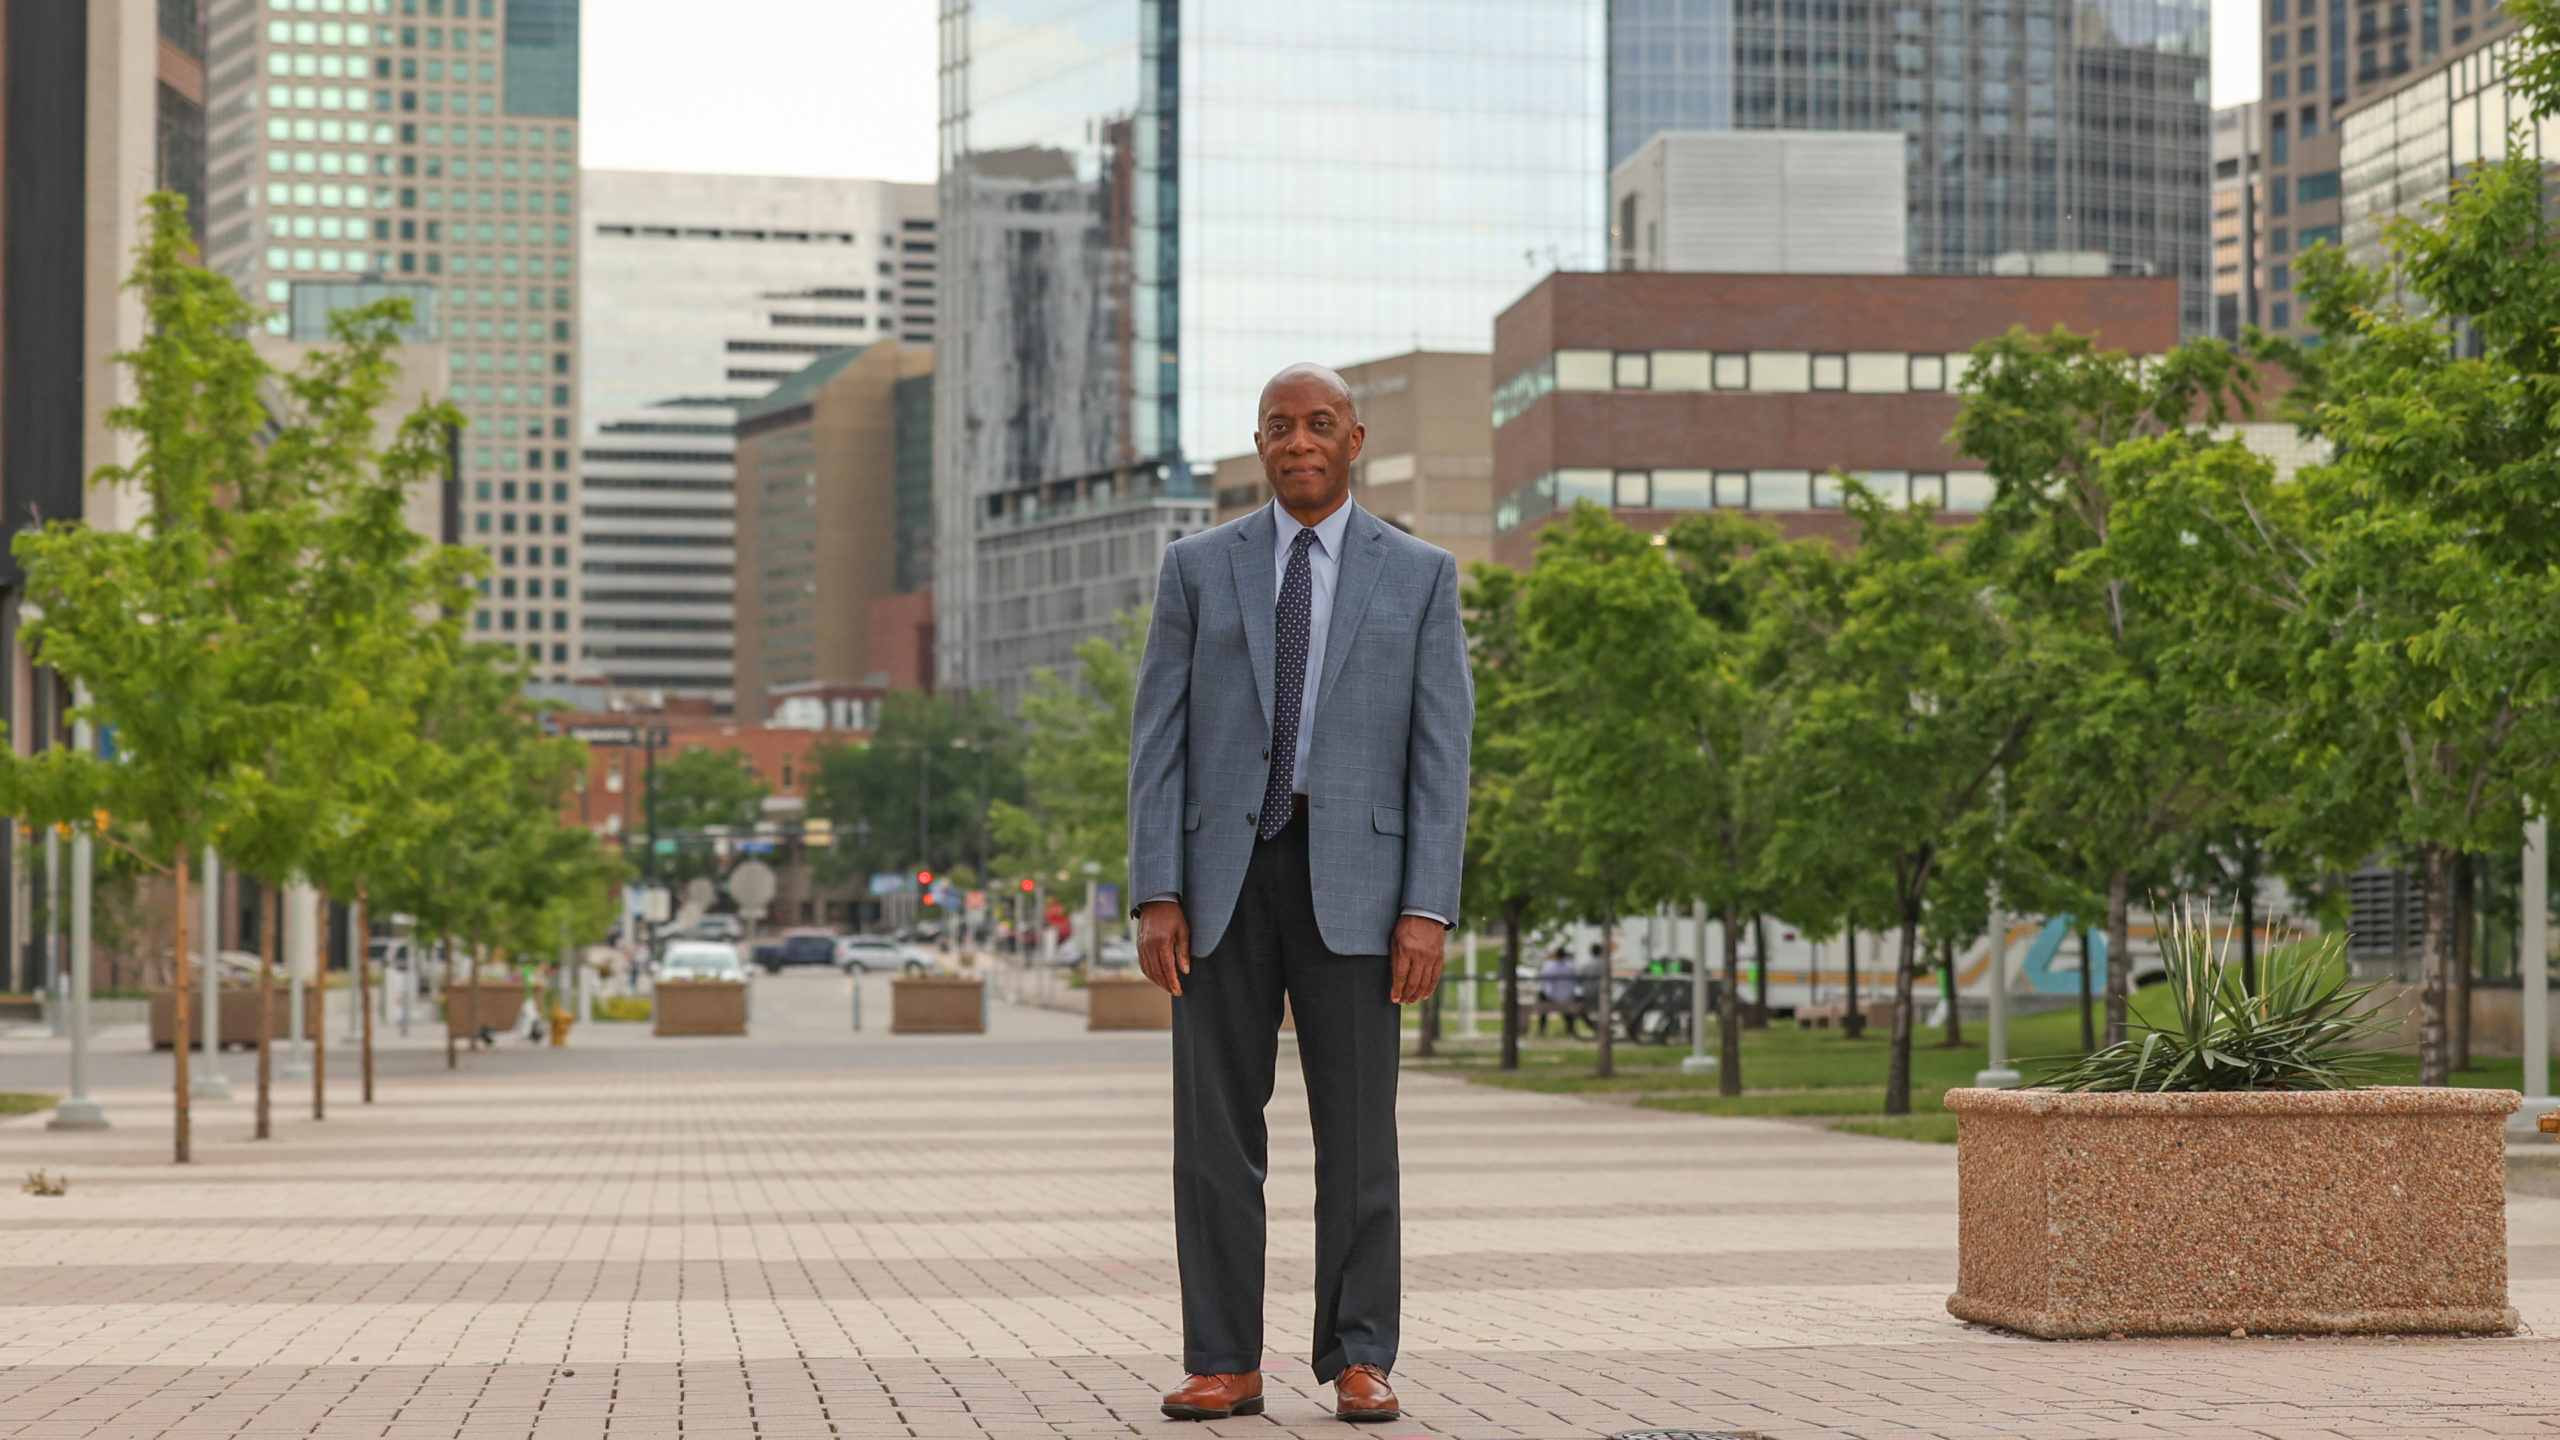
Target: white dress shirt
1324, 565
1324, 562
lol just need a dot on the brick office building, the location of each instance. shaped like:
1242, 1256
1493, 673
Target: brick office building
1659, 393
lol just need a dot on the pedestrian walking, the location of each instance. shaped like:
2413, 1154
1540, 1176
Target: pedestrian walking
1297, 817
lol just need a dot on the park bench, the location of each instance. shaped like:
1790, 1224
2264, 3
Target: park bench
1832, 1014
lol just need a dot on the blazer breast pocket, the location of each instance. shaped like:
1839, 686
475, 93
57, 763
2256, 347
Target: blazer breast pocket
1388, 819
1191, 816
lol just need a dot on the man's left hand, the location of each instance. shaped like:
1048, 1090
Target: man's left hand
1417, 952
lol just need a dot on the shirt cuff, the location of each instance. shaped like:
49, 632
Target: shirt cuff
1445, 922
1173, 895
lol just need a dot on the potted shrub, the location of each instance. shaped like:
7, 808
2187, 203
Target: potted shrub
2232, 1170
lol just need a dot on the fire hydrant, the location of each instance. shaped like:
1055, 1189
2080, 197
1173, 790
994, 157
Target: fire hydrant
560, 1018
2548, 1122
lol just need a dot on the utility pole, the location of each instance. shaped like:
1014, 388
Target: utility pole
1697, 1061
2533, 964
299, 898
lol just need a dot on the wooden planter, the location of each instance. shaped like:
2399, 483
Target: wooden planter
1126, 1002
501, 1003
2379, 1211
239, 1023
700, 1007
933, 1005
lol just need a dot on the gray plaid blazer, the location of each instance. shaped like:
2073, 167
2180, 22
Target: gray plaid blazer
1394, 714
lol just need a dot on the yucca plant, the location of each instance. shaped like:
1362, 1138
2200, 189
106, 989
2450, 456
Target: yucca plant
2298, 1031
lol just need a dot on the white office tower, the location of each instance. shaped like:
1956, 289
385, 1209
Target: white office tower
702, 291
1761, 202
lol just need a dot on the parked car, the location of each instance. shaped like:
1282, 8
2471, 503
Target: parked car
701, 960
798, 947
719, 927
1118, 955
862, 954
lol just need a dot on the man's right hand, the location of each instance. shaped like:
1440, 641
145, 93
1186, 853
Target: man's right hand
1164, 944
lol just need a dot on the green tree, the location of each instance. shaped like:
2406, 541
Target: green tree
926, 776
1517, 871
1075, 767
1925, 689
703, 787
2120, 770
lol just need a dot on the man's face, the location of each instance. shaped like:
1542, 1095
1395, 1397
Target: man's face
1308, 439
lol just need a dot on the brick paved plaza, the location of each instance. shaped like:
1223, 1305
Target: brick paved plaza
813, 1233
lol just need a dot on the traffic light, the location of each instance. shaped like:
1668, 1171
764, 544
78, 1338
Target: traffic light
924, 885
1029, 886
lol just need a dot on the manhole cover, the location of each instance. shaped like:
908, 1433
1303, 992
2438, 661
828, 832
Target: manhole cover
1688, 1435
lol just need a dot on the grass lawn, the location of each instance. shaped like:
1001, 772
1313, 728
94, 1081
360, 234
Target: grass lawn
19, 1102
1787, 1071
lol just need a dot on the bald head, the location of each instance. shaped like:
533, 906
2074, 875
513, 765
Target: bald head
1305, 372
1308, 436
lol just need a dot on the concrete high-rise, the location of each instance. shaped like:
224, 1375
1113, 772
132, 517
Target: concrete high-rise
427, 147
1139, 227
2324, 58
101, 103
703, 292
2239, 217
2032, 126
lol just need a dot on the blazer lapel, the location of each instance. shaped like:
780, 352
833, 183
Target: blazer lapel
1353, 584
1250, 557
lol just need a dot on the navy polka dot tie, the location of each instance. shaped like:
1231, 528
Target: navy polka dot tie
1288, 682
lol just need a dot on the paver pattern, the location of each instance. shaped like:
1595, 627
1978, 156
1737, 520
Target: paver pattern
815, 1233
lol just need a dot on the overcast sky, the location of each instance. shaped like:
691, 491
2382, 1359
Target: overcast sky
845, 87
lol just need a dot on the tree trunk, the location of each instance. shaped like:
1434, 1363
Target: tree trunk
2119, 951
1760, 972
1906, 966
2248, 923
266, 1000
1729, 1009
471, 999
1603, 1021
1853, 1022
1947, 985
2088, 1010
320, 1032
1511, 990
2458, 998
364, 986
2435, 963
183, 1033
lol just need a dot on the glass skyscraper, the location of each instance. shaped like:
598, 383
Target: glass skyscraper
1148, 206
2033, 125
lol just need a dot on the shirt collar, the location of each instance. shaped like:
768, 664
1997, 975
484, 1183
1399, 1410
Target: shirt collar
1328, 530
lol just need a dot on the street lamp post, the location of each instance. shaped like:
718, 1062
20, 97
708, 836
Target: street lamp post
210, 1083
78, 1111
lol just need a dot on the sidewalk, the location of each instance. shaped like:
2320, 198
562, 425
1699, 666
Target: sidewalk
813, 1233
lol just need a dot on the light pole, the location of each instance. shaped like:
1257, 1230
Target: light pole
2533, 965
78, 1111
210, 1083
1698, 1061
299, 898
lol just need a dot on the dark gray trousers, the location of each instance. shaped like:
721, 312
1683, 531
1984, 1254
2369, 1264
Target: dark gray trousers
1226, 1041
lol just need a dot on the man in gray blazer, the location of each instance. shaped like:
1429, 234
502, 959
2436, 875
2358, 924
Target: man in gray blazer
1297, 811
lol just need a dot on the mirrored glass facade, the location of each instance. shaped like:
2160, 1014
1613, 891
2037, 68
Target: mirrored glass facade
2034, 125
1151, 205
2399, 154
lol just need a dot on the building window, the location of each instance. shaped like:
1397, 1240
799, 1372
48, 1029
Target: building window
1733, 490
1631, 489
1633, 370
1584, 369
2280, 277
1781, 372
1781, 489
1830, 372
1930, 490
2275, 85
2280, 315
1929, 372
1733, 372
2279, 240
2310, 188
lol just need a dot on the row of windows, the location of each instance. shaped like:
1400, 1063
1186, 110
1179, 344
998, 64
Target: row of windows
505, 361
532, 556
1866, 372
532, 585
506, 395
532, 621
671, 232
1684, 489
532, 490
507, 523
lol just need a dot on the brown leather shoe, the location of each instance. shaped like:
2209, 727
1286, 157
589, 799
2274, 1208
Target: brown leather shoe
1215, 1397
1360, 1395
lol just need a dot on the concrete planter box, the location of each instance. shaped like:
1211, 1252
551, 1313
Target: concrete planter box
239, 1023
700, 1007
501, 1004
2342, 1212
1126, 1002
931, 1005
